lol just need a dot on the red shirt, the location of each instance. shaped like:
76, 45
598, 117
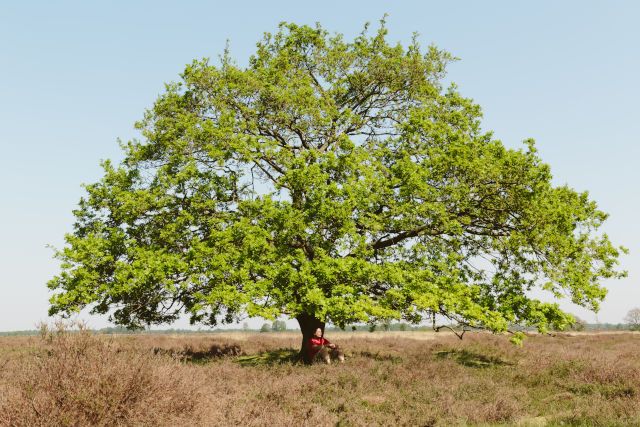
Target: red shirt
313, 341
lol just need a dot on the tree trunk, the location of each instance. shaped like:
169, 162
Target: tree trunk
308, 325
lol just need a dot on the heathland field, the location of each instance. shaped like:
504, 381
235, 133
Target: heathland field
409, 378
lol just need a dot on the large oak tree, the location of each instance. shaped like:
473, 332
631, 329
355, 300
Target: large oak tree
328, 180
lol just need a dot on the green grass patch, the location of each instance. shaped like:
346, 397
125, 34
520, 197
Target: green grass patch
270, 358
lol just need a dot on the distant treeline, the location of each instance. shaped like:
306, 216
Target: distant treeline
279, 326
122, 330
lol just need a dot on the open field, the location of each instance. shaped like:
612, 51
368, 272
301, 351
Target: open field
393, 378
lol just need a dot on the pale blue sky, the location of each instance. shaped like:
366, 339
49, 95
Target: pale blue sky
74, 76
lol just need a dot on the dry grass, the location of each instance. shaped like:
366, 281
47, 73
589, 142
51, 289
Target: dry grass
81, 379
411, 378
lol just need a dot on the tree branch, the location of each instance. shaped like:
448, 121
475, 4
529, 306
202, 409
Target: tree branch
381, 244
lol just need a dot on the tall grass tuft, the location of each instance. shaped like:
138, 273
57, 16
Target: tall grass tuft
77, 378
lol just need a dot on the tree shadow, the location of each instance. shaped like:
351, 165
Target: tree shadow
472, 359
193, 355
270, 358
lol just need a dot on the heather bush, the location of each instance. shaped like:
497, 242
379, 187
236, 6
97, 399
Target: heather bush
76, 378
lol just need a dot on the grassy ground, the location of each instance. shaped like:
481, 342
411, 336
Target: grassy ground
410, 378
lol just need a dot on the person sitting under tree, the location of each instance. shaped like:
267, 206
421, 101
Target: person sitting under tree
322, 350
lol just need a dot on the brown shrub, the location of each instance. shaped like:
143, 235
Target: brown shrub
77, 378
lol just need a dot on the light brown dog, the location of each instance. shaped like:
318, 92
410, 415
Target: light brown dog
326, 354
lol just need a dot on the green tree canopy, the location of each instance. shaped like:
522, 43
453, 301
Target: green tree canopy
328, 180
279, 326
